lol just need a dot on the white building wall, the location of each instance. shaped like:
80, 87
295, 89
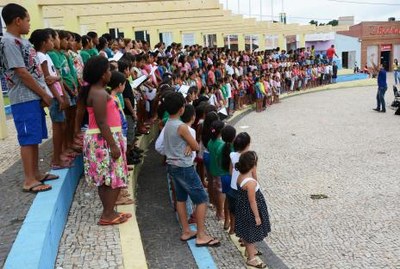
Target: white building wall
349, 44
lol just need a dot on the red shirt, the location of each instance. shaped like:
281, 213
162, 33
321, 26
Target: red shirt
330, 52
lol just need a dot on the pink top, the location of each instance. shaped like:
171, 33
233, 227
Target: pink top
113, 117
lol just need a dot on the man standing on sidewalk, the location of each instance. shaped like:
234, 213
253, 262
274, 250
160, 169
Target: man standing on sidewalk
382, 87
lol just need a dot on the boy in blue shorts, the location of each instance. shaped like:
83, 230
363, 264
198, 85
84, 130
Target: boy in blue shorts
27, 93
178, 146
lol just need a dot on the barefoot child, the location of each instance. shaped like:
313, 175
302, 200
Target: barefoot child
104, 146
177, 138
252, 220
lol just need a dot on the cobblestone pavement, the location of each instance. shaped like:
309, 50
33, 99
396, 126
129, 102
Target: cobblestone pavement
158, 226
15, 203
85, 244
330, 143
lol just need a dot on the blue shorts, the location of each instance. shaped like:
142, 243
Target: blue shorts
187, 183
30, 122
56, 114
206, 160
226, 183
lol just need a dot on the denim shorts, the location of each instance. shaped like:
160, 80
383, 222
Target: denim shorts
187, 183
30, 122
56, 114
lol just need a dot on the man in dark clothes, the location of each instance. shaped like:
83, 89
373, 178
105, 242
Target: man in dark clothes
382, 87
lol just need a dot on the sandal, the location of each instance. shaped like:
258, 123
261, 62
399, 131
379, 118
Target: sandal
118, 220
124, 201
259, 253
34, 188
125, 215
209, 243
48, 177
255, 265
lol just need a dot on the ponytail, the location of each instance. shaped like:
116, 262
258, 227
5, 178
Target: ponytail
216, 128
228, 134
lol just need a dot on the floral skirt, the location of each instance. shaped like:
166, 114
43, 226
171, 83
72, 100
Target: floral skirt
100, 167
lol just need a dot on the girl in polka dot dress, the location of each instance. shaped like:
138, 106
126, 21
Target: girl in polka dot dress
252, 220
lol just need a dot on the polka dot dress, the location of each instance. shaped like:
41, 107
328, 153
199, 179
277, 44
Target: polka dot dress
245, 226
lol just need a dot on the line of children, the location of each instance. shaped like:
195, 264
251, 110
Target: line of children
231, 171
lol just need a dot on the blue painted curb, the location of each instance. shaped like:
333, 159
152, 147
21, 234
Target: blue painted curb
36, 245
201, 255
351, 77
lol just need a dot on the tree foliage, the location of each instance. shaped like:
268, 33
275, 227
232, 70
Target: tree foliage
332, 22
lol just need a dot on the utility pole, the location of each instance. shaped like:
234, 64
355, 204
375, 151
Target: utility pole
260, 10
250, 8
272, 10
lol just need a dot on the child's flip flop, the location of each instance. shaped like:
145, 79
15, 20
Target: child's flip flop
34, 188
48, 177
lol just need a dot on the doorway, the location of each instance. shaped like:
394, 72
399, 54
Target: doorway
385, 59
345, 59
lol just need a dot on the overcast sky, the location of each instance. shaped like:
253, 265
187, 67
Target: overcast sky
302, 11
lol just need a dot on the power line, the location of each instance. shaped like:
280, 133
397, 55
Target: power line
364, 3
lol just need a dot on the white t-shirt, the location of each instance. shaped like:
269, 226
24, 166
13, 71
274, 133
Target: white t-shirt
235, 173
229, 69
229, 90
43, 58
213, 100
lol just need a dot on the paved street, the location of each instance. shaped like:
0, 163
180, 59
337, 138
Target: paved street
330, 143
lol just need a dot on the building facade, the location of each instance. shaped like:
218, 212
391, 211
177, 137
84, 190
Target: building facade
380, 42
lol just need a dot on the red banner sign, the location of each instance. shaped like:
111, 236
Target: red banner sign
386, 47
382, 30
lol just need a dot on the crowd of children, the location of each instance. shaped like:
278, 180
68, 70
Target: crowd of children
103, 92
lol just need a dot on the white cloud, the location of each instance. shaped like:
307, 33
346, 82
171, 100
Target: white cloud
302, 11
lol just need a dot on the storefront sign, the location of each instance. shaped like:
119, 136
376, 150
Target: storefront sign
382, 30
386, 47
